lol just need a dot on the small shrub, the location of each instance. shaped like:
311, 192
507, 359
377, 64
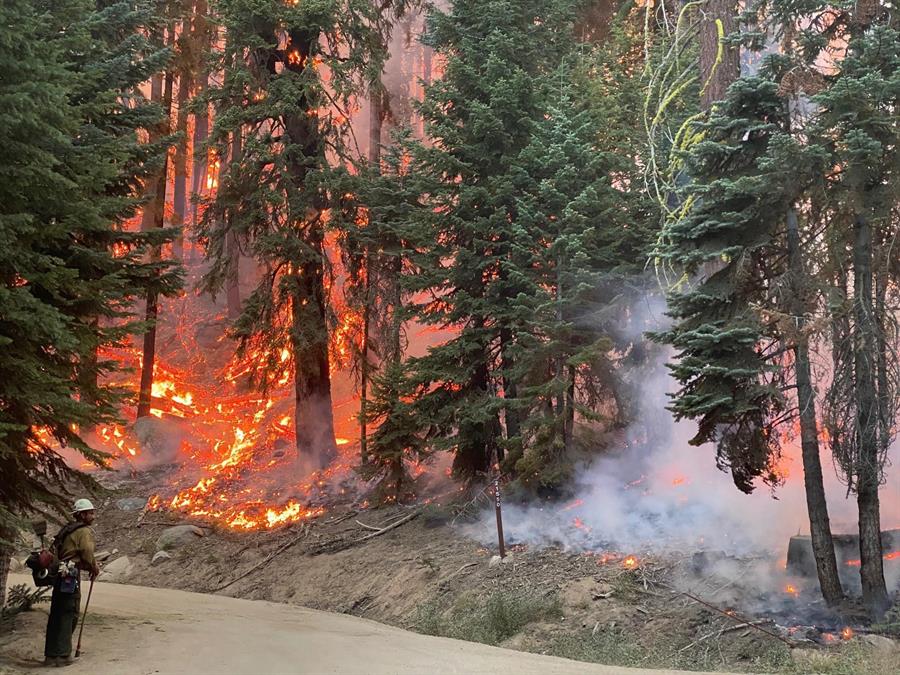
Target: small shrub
21, 598
489, 620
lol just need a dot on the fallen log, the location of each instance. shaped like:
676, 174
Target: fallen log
303, 532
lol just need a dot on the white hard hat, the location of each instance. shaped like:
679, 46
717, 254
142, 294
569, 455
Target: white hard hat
83, 505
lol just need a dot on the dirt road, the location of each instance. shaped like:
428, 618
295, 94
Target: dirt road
136, 630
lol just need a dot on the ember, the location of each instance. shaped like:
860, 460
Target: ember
892, 555
630, 563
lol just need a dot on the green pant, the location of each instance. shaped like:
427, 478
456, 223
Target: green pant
64, 608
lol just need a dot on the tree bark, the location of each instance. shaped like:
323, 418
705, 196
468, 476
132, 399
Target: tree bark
309, 332
6, 534
200, 37
717, 70
179, 189
569, 421
868, 469
233, 274
154, 217
816, 504
510, 390
376, 123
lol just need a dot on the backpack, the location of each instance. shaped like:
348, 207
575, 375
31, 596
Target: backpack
44, 564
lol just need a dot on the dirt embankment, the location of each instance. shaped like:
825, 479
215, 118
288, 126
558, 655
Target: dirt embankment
425, 575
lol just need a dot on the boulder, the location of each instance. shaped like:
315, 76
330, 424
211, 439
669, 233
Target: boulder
160, 557
15, 565
880, 643
117, 571
131, 503
177, 536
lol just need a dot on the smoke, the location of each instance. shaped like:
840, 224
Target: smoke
655, 493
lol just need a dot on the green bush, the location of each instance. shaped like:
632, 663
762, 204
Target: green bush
489, 620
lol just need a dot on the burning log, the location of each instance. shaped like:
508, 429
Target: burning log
800, 561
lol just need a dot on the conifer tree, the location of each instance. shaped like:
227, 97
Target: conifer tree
729, 245
857, 124
380, 244
573, 284
72, 164
480, 115
273, 197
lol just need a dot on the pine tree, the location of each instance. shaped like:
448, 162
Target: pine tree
857, 124
290, 125
480, 115
725, 244
72, 164
574, 282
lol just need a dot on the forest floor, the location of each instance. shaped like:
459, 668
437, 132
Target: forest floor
427, 576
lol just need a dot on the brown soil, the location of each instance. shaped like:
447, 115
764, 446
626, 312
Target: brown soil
425, 575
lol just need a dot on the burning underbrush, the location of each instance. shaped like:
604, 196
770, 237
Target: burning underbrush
230, 450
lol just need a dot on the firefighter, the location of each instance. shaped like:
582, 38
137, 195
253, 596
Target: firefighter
75, 544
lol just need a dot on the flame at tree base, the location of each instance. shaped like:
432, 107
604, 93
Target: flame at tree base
231, 449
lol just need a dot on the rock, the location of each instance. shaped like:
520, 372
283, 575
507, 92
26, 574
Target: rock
180, 535
102, 555
160, 557
131, 503
15, 565
880, 643
496, 560
117, 571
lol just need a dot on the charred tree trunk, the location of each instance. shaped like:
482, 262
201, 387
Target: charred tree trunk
309, 331
868, 468
816, 505
88, 373
720, 64
154, 217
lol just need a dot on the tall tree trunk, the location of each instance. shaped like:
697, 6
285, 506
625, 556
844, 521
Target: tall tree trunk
569, 421
376, 123
309, 331
6, 534
816, 505
868, 468
200, 37
88, 373
477, 445
233, 278
510, 390
179, 189
154, 217
720, 65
